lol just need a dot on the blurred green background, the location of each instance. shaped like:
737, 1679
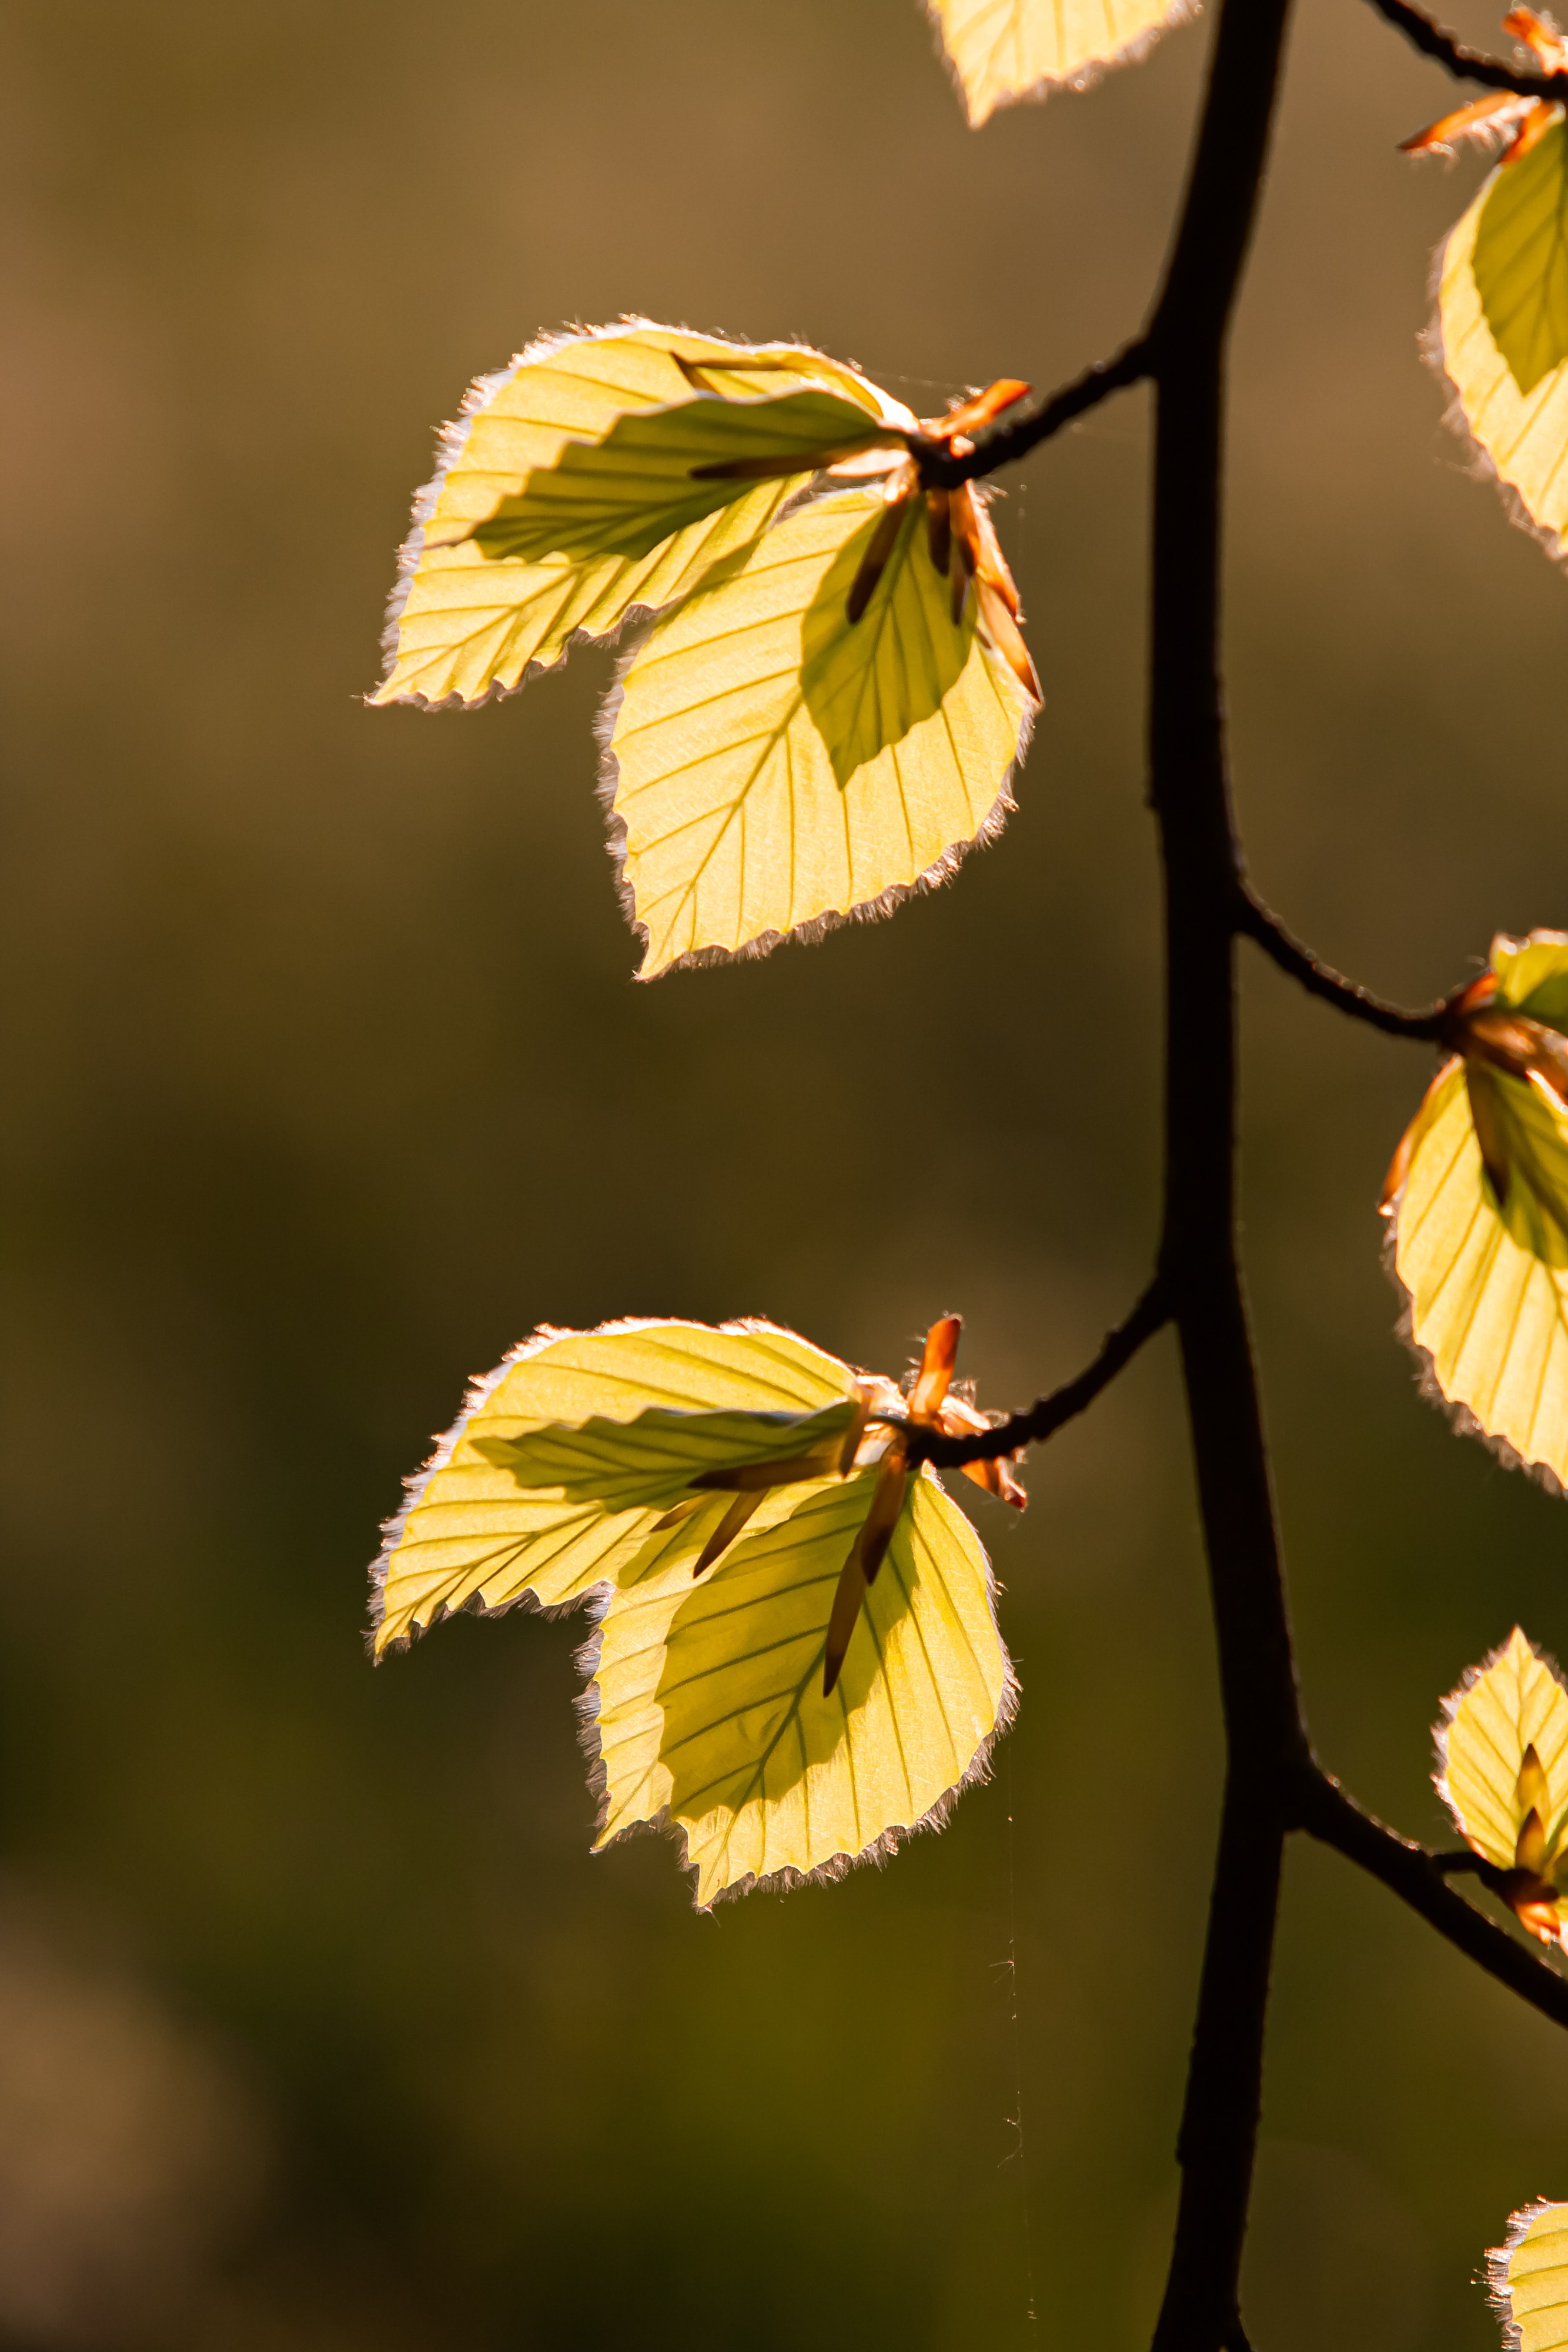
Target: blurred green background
327, 1081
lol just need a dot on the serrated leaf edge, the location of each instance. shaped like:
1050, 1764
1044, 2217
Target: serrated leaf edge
479, 1390
879, 1851
867, 910
1085, 77
451, 439
1480, 463
1460, 1419
1497, 2259
1456, 1699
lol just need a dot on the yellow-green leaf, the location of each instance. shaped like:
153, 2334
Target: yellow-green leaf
708, 1707
653, 473
1521, 260
1532, 975
1486, 1278
471, 1534
653, 1459
1512, 1702
465, 622
772, 764
1527, 2277
1004, 50
1502, 328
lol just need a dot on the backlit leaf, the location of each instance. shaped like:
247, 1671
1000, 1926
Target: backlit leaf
716, 1493
1004, 50
1486, 1273
470, 1533
1520, 261
467, 619
772, 764
1532, 975
707, 1706
653, 473
652, 1460
1502, 1753
1527, 2277
1502, 328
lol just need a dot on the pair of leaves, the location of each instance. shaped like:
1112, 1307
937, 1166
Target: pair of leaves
828, 714
1501, 333
607, 1466
1004, 50
1478, 1206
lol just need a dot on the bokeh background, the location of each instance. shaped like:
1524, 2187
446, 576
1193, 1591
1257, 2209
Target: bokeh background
326, 1080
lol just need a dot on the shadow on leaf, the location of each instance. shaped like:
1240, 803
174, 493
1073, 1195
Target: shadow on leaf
867, 683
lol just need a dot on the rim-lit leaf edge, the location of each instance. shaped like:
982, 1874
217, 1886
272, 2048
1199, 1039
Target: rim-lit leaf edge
1505, 950
1451, 1706
1499, 2261
1430, 1389
476, 1396
878, 1851
1080, 78
451, 440
1480, 465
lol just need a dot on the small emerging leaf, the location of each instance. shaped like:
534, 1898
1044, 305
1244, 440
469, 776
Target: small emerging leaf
1478, 1202
774, 763
1527, 2278
1502, 1752
1004, 50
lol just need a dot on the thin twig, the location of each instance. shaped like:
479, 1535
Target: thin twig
1466, 1864
1023, 429
1335, 1819
1047, 1414
1466, 64
1262, 926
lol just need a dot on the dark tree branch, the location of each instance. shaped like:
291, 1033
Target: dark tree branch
1261, 925
1190, 792
1465, 1863
1272, 1784
1417, 1878
1467, 65
1023, 428
1047, 1414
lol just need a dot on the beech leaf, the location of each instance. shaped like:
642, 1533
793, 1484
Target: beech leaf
1502, 328
797, 1658
470, 1533
1477, 1204
772, 764
1502, 1751
652, 1460
1004, 50
706, 1703
468, 617
658, 471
